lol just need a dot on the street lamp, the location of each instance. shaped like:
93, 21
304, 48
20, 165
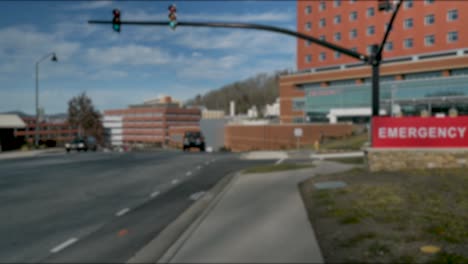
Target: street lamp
54, 59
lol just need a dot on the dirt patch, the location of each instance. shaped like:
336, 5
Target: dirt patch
387, 217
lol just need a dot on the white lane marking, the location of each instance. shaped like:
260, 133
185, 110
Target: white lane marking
175, 181
64, 245
207, 163
279, 161
122, 212
196, 196
154, 194
199, 167
188, 173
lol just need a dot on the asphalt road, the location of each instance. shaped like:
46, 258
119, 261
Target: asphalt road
98, 207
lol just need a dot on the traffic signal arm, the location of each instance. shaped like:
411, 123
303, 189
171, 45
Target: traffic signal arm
322, 43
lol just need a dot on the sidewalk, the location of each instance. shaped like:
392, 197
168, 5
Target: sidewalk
260, 218
28, 153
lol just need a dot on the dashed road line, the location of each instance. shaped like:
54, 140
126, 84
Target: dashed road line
65, 244
154, 194
122, 212
174, 181
196, 196
188, 173
199, 167
279, 161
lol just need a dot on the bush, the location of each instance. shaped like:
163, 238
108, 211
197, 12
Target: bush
51, 143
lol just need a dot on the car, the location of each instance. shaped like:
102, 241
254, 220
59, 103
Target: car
80, 144
193, 140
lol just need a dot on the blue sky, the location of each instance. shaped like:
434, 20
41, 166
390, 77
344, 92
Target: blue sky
139, 63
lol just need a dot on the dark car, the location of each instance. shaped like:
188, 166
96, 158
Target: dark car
80, 144
194, 140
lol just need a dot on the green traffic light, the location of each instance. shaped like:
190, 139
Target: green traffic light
173, 24
116, 27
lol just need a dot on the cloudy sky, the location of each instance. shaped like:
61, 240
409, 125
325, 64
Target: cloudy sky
140, 62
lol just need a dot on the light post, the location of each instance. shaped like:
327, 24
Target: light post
36, 133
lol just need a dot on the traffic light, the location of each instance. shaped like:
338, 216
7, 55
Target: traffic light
172, 16
116, 20
384, 5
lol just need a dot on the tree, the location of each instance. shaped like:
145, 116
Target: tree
82, 114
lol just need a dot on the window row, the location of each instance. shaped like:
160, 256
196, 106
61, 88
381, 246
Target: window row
408, 43
452, 36
408, 23
370, 11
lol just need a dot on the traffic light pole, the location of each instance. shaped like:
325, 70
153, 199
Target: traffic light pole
374, 60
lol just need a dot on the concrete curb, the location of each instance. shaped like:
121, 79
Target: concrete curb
164, 247
29, 153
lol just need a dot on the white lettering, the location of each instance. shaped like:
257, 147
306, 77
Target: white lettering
452, 132
412, 132
392, 132
382, 132
422, 132
402, 132
442, 132
432, 132
462, 131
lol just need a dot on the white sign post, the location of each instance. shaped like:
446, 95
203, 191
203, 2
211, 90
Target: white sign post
298, 135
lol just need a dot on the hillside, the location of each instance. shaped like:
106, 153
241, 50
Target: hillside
258, 90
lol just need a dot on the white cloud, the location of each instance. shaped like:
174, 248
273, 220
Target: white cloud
91, 5
243, 41
270, 16
129, 55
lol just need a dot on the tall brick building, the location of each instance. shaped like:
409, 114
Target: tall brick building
148, 123
425, 63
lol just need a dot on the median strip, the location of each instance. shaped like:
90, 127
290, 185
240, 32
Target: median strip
64, 245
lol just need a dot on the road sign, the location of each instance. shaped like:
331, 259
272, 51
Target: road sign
298, 132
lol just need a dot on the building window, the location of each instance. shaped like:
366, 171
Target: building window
353, 33
370, 12
336, 3
408, 23
452, 36
452, 15
337, 36
352, 1
370, 30
322, 37
308, 58
308, 26
337, 54
369, 49
298, 104
385, 27
322, 22
408, 4
337, 19
307, 43
429, 40
322, 6
408, 43
354, 49
429, 19
389, 46
353, 16
322, 56
308, 10
428, 2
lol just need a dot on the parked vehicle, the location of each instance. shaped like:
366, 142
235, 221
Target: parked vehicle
193, 140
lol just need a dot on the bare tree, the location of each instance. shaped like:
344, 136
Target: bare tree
82, 114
